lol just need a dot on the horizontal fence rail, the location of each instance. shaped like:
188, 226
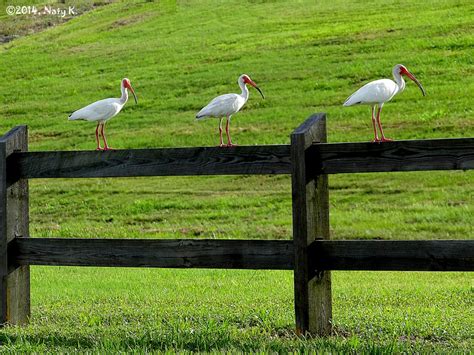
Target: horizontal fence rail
408, 155
394, 255
323, 158
263, 159
176, 253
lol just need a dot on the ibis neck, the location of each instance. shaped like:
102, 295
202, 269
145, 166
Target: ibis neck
245, 90
400, 82
124, 97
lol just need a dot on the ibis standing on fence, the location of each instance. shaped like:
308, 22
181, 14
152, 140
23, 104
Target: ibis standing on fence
226, 105
378, 92
103, 110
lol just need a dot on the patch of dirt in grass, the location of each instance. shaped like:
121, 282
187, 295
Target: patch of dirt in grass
6, 39
129, 21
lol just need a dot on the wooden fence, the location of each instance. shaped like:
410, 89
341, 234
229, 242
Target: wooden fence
311, 254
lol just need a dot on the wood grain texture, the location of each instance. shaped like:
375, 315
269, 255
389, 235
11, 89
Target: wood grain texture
176, 253
334, 158
409, 155
15, 294
310, 130
271, 159
395, 255
310, 200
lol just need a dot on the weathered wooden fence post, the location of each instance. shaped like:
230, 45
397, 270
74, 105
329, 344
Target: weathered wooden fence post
313, 304
14, 217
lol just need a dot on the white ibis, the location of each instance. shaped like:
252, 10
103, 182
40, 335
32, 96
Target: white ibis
103, 110
228, 104
378, 92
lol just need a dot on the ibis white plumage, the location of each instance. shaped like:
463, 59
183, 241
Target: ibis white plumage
226, 105
103, 110
378, 92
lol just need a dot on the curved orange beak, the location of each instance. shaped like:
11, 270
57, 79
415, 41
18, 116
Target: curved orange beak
129, 86
412, 77
251, 82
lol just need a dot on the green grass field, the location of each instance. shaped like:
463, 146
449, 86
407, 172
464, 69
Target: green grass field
307, 57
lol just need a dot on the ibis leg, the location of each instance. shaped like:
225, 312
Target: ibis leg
229, 140
221, 143
106, 146
97, 137
376, 136
384, 139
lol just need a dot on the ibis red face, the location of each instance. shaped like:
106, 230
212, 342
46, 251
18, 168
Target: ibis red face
128, 85
249, 81
404, 71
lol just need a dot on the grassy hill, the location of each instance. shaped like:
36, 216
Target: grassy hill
307, 57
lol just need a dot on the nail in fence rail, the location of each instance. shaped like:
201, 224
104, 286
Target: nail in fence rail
311, 254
